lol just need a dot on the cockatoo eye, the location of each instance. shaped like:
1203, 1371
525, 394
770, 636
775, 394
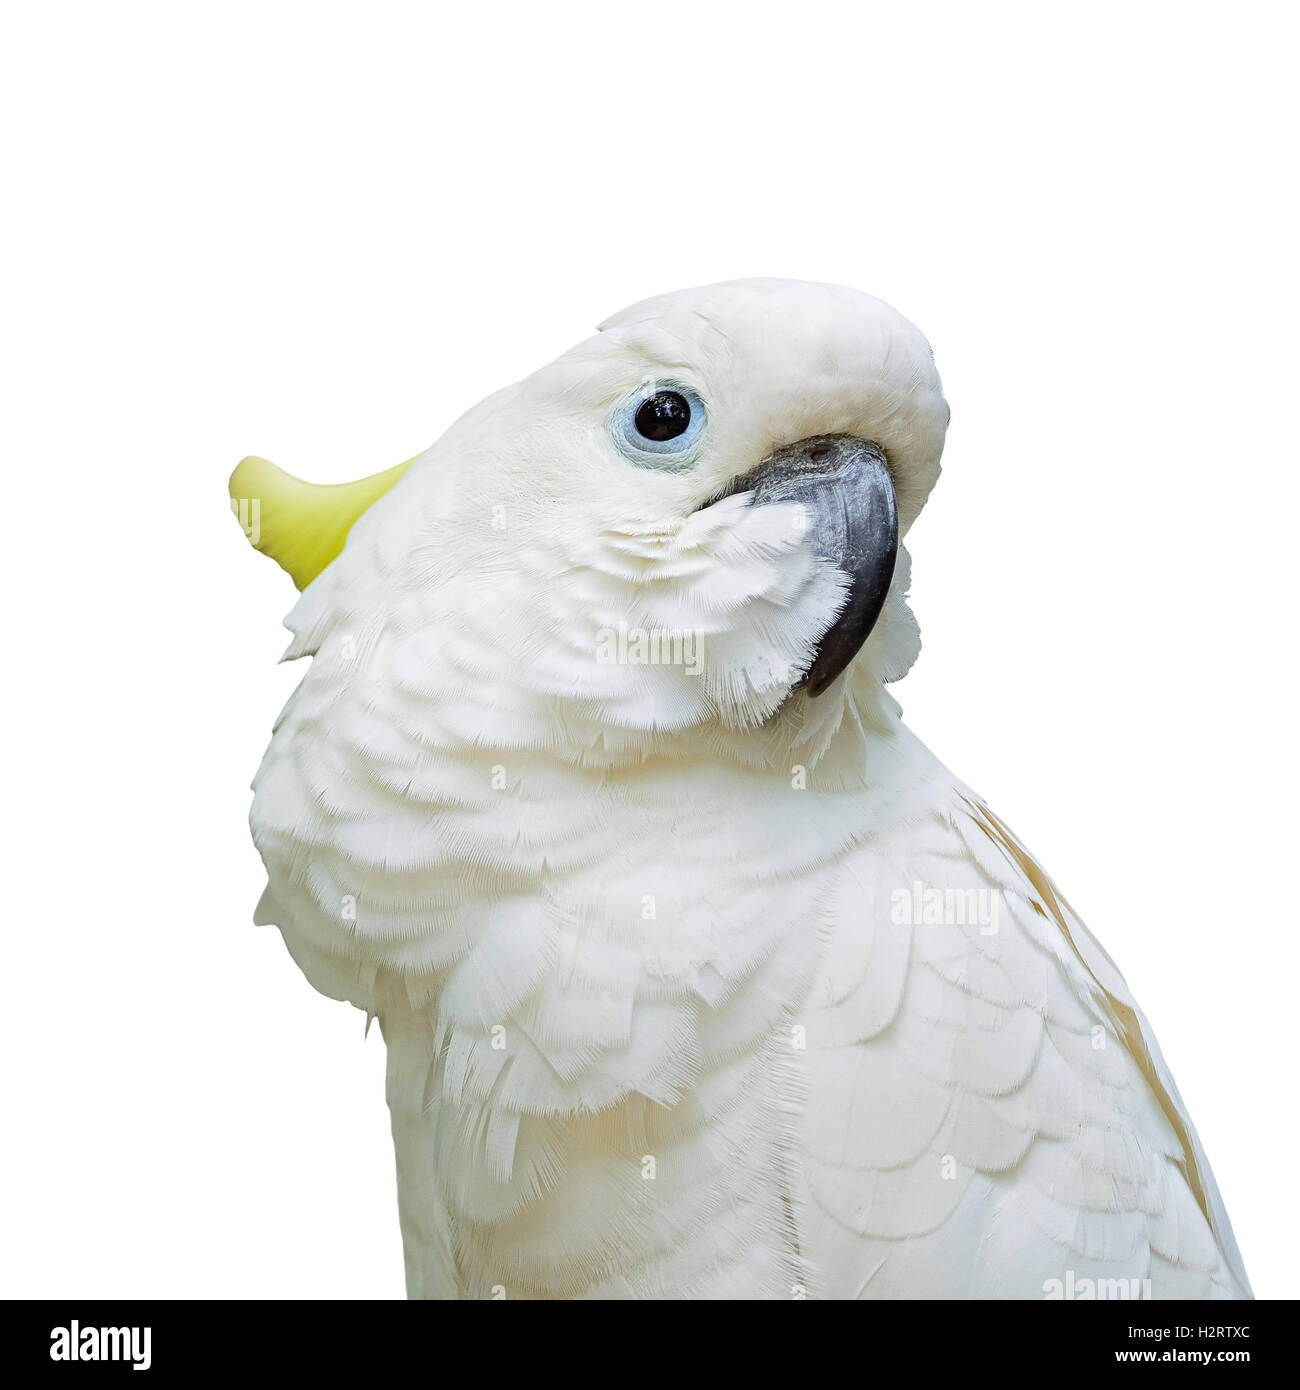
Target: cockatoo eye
663, 416
660, 427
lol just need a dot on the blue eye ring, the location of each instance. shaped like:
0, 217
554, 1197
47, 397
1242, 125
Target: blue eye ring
660, 425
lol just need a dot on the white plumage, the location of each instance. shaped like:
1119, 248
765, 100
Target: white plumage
662, 1015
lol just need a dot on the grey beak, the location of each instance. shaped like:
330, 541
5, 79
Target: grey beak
846, 489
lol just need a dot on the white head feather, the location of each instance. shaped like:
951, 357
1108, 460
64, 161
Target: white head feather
524, 542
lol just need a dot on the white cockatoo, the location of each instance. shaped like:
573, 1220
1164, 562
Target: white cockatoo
700, 976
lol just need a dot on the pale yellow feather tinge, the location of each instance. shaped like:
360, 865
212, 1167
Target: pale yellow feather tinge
302, 526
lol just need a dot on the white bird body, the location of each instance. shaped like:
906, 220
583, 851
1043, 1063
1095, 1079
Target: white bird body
693, 986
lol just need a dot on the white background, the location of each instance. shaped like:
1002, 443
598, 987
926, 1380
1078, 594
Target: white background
320, 232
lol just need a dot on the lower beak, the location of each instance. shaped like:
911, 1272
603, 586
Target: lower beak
847, 492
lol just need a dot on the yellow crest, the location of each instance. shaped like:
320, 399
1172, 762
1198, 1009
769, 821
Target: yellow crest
301, 526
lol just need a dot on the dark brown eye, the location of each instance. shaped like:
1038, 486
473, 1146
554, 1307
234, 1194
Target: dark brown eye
663, 416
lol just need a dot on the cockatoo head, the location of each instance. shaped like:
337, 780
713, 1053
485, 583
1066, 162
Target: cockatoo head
693, 516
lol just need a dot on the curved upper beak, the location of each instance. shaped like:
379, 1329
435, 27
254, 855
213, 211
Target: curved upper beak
847, 492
